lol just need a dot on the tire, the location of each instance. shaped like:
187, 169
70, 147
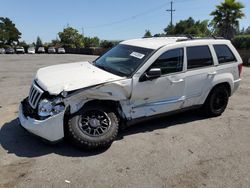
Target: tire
93, 127
216, 101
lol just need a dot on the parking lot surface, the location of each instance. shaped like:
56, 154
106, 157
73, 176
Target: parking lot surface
184, 150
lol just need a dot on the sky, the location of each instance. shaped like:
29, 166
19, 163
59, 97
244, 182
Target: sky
107, 19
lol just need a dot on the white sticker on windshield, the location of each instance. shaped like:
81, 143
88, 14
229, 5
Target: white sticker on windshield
137, 55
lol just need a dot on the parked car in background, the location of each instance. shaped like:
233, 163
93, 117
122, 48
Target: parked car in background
51, 50
9, 51
31, 50
61, 50
2, 51
136, 80
20, 50
41, 50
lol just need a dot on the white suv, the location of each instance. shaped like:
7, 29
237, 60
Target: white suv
136, 80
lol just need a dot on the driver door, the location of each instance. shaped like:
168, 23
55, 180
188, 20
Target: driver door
164, 93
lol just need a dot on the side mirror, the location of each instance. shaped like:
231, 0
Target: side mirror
151, 74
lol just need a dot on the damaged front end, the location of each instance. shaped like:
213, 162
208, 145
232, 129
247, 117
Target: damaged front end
49, 128
42, 115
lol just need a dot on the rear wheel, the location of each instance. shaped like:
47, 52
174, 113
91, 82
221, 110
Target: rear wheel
93, 127
216, 101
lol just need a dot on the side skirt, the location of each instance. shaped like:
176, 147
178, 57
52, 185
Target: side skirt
147, 118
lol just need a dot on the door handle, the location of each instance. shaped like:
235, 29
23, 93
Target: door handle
177, 81
212, 73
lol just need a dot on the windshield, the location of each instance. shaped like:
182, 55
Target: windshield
123, 60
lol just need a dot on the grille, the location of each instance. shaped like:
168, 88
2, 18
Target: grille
34, 95
28, 111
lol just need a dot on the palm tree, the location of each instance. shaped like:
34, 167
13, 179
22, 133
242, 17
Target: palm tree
226, 18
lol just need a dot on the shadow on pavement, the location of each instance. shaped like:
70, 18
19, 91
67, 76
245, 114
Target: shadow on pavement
16, 140
162, 123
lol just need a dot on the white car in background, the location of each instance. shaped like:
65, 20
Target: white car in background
61, 51
41, 50
20, 50
51, 50
31, 50
2, 51
135, 81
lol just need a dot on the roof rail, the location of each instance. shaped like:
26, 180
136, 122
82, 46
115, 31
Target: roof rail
217, 37
191, 37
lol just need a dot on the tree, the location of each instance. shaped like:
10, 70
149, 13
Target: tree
247, 31
23, 44
91, 42
160, 35
8, 32
56, 43
147, 34
189, 26
108, 44
170, 30
226, 18
71, 38
39, 42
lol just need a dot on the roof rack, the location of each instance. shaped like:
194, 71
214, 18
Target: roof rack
189, 36
192, 37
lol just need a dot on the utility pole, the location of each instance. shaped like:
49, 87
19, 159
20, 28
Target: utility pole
171, 11
82, 31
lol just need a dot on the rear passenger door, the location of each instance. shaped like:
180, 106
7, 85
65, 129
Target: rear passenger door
199, 75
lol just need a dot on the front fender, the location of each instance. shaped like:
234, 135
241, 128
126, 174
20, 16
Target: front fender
115, 91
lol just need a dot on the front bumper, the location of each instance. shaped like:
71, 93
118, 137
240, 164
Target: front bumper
50, 129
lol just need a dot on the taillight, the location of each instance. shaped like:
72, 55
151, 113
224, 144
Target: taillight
240, 69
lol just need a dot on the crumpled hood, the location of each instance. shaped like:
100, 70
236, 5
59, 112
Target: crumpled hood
72, 76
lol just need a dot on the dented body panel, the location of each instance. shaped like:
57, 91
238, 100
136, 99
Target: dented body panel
119, 91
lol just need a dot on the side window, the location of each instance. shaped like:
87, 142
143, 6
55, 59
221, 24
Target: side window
224, 54
170, 61
199, 56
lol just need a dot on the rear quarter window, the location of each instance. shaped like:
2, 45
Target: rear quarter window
199, 56
224, 54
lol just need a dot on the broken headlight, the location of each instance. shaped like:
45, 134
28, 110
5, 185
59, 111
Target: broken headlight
48, 107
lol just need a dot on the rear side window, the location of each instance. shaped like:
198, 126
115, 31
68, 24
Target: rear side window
199, 56
170, 61
224, 54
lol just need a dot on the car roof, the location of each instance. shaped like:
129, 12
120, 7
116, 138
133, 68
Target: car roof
158, 42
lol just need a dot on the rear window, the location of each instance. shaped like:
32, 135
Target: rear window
199, 56
224, 54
